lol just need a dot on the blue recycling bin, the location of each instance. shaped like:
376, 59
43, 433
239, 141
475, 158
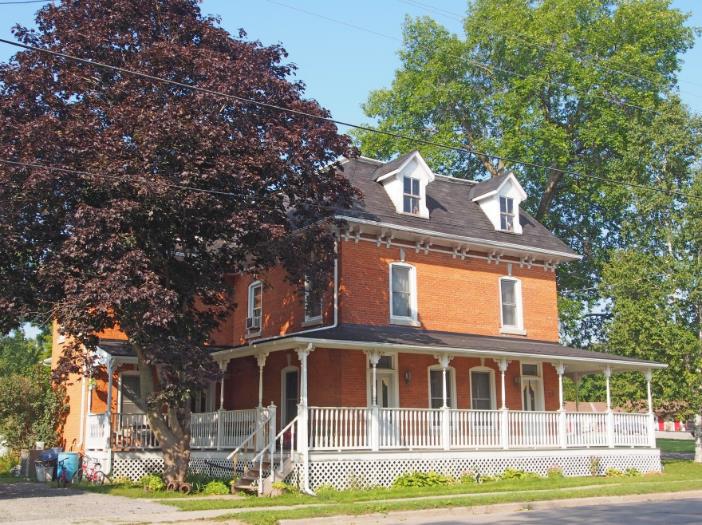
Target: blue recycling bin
70, 462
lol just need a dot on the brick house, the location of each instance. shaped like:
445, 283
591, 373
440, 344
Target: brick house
435, 348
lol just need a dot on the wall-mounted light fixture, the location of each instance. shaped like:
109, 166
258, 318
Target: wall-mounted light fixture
408, 376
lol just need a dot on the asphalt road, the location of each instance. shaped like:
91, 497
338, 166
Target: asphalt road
676, 512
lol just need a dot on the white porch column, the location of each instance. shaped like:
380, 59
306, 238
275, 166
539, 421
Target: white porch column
504, 414
261, 361
560, 370
648, 374
108, 412
444, 361
374, 359
610, 416
220, 412
302, 415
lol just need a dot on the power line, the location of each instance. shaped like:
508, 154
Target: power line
607, 96
416, 140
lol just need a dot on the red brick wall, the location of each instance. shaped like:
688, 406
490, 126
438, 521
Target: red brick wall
452, 295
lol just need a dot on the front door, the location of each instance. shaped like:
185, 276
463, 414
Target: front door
385, 389
531, 399
291, 395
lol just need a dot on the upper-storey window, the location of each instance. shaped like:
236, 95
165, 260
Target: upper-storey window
403, 293
313, 304
507, 214
511, 303
255, 312
411, 195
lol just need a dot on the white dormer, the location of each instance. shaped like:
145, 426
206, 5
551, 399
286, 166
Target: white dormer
405, 181
499, 198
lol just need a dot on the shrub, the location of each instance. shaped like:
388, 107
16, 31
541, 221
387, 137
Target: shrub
613, 473
121, 480
555, 473
422, 479
7, 462
286, 487
152, 483
595, 466
512, 473
215, 487
632, 473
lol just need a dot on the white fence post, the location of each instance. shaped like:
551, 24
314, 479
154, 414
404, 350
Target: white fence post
271, 429
445, 428
261, 414
560, 370
375, 428
504, 428
610, 415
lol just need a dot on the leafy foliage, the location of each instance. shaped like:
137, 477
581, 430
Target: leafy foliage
126, 245
152, 483
31, 408
215, 487
422, 479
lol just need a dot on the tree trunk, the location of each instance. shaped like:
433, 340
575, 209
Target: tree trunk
176, 458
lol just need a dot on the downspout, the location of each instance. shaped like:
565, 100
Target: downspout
82, 411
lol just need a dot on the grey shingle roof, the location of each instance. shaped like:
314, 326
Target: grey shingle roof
451, 210
391, 166
486, 186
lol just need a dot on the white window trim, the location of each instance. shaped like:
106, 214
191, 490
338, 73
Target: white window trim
422, 201
493, 389
283, 404
250, 306
514, 215
119, 387
518, 329
540, 398
393, 372
412, 319
450, 384
317, 318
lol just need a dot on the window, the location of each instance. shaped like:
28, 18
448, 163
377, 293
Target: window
510, 303
530, 369
411, 196
436, 387
253, 322
507, 214
130, 389
313, 306
402, 291
482, 390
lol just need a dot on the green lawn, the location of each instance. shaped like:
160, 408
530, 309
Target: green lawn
676, 445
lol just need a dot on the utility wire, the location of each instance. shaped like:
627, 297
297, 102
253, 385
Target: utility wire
26, 2
607, 96
416, 140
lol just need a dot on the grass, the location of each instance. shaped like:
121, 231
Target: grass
676, 445
676, 473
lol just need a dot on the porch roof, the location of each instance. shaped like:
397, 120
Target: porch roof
414, 340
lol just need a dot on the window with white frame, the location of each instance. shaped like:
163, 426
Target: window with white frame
403, 291
510, 303
507, 214
410, 195
130, 391
436, 387
253, 323
313, 304
482, 390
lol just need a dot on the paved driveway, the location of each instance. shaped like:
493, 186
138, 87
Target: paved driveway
32, 503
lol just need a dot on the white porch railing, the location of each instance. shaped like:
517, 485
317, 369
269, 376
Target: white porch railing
475, 429
339, 428
409, 428
532, 429
98, 435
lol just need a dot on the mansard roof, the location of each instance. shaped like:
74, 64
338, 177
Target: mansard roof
452, 211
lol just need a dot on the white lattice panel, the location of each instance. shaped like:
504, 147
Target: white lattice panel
382, 472
134, 466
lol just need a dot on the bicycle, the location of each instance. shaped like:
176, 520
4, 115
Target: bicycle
91, 472
63, 479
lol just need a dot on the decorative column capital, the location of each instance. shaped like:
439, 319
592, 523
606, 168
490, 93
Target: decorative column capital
502, 364
304, 351
261, 359
443, 359
648, 374
560, 369
374, 357
223, 365
607, 372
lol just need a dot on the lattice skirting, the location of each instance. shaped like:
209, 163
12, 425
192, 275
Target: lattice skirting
134, 465
381, 469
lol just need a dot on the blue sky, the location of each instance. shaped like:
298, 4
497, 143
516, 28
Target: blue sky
340, 63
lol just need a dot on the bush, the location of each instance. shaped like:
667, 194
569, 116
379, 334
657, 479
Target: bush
632, 473
613, 473
286, 487
152, 483
422, 479
595, 465
121, 480
215, 487
512, 473
7, 462
555, 473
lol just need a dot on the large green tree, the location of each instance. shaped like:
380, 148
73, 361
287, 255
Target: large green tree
565, 84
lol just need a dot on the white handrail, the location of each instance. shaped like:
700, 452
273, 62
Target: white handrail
250, 437
259, 457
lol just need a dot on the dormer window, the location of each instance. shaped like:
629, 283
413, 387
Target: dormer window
411, 195
507, 214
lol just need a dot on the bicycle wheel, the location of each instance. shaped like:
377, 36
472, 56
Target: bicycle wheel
99, 477
78, 476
